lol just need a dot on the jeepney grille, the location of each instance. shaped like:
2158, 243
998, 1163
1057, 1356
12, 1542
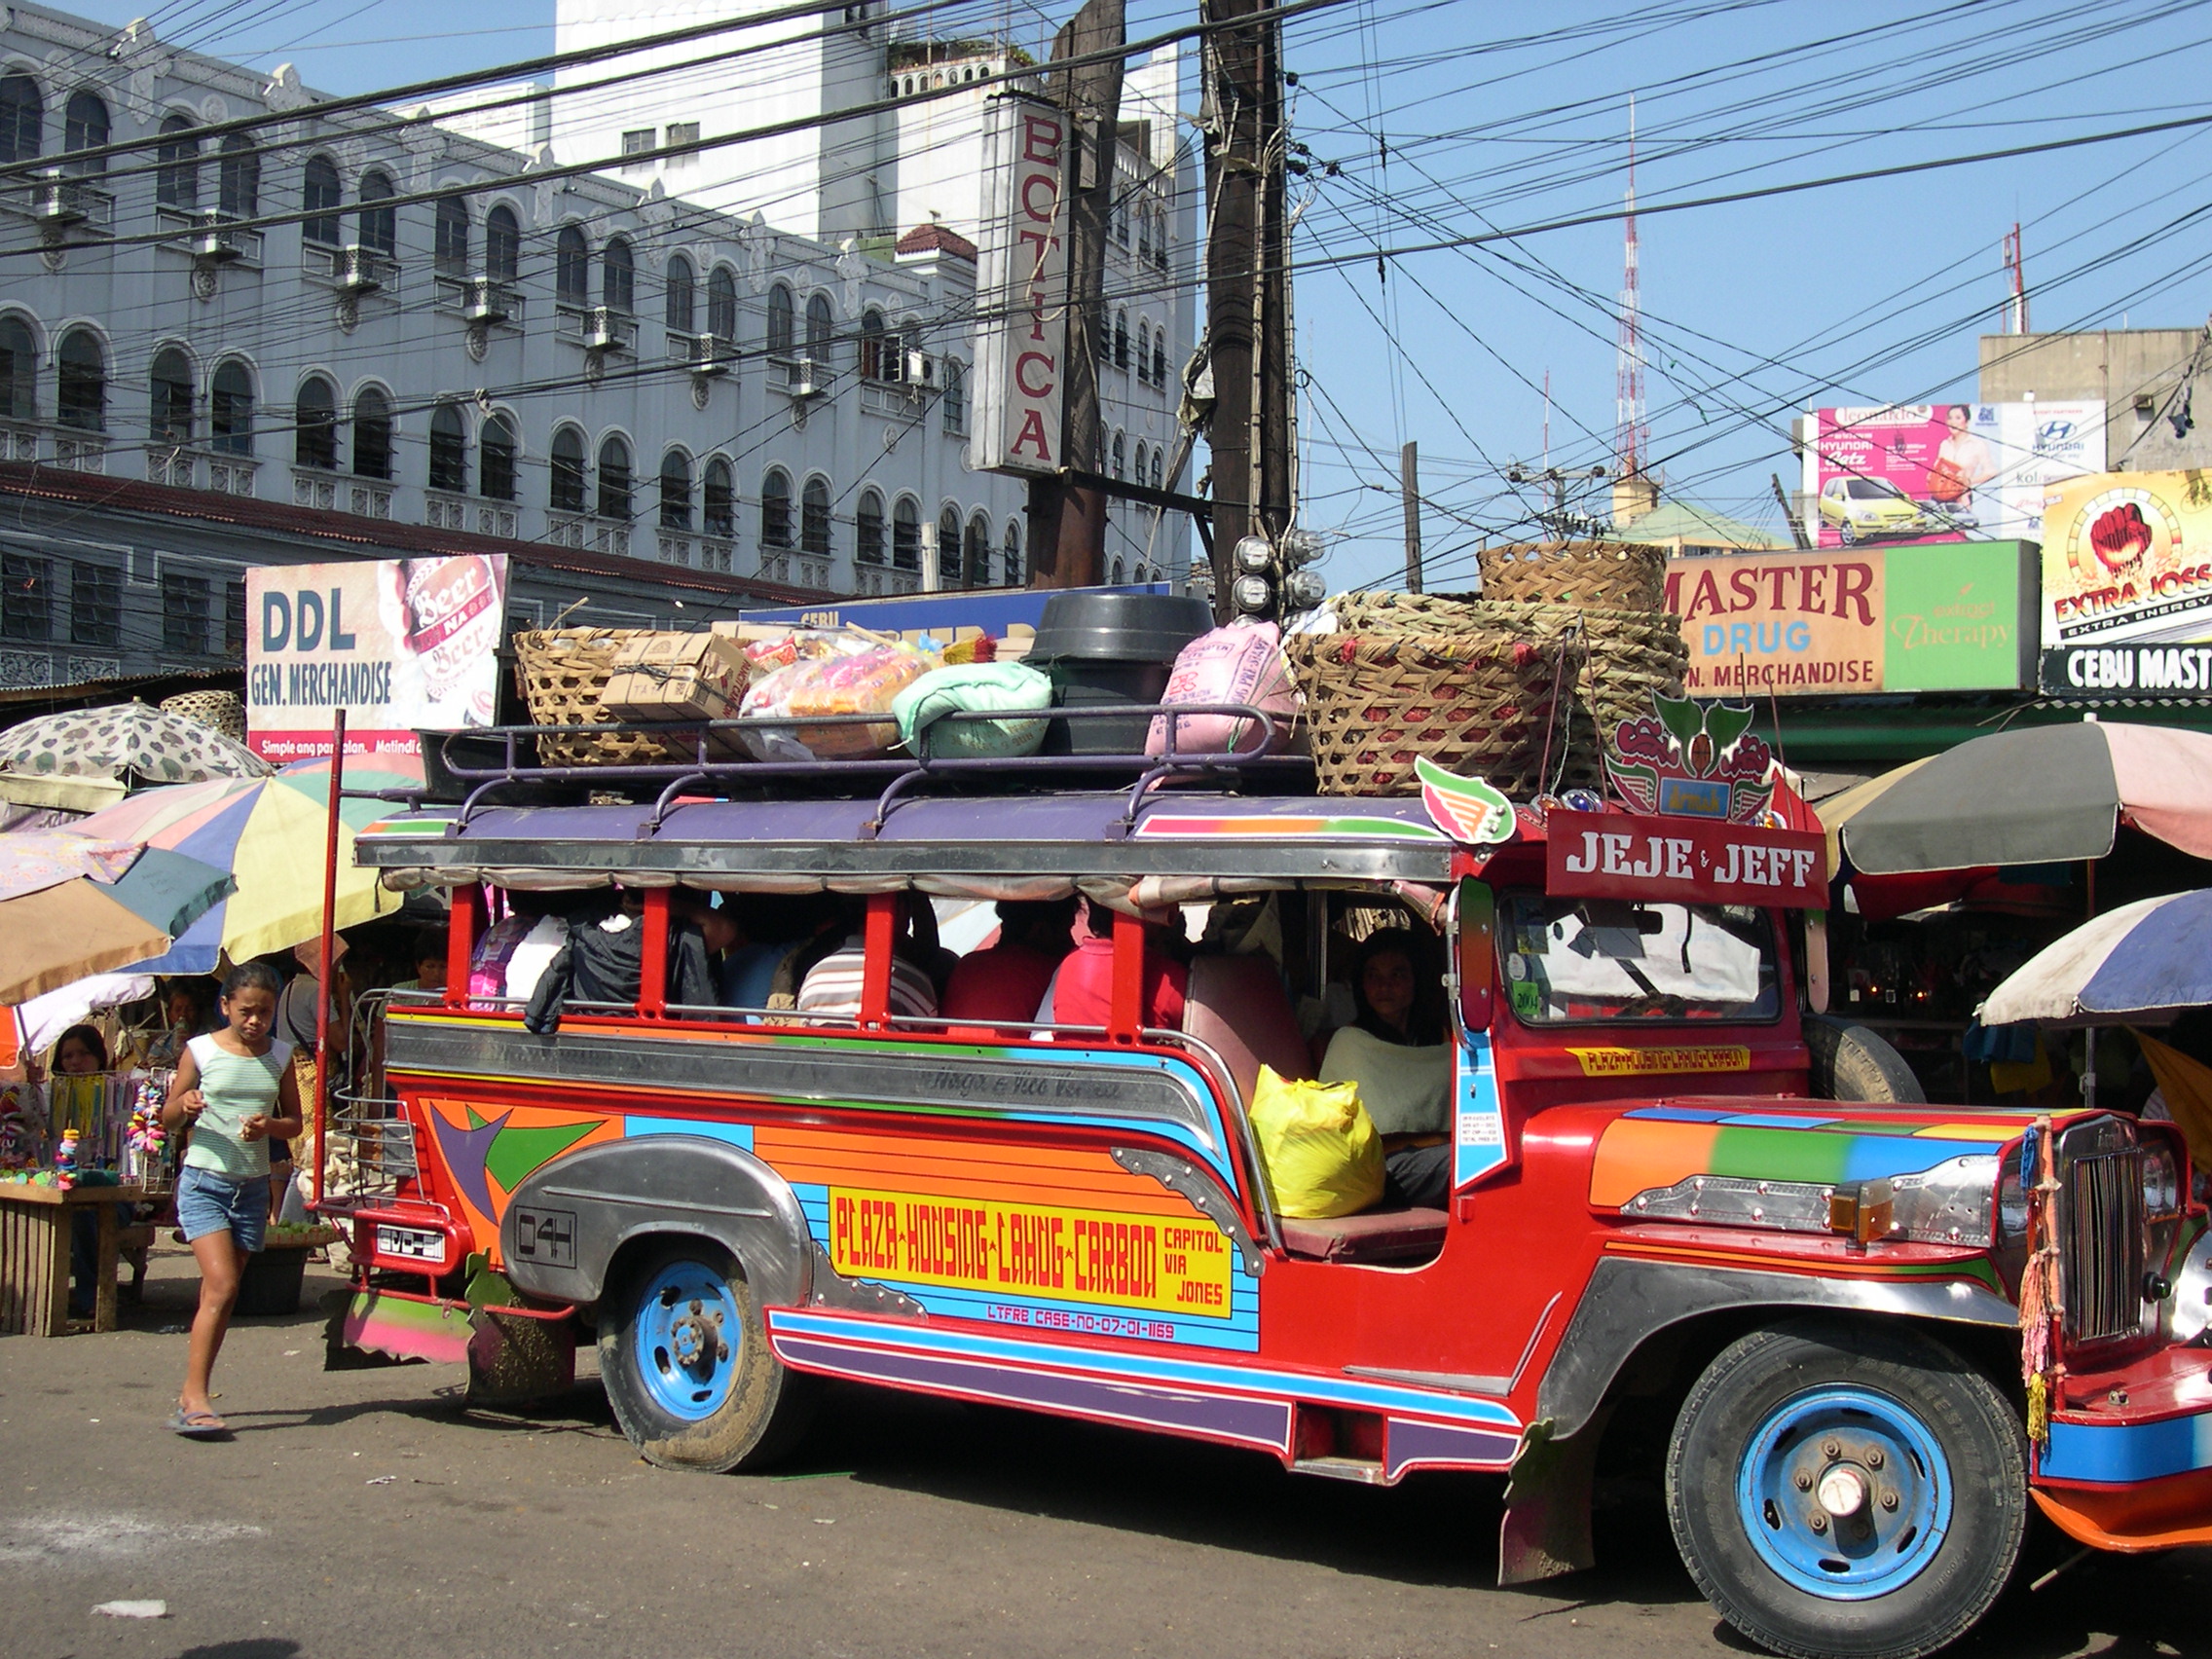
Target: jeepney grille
2103, 1263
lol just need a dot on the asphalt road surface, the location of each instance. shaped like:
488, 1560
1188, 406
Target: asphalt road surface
363, 1513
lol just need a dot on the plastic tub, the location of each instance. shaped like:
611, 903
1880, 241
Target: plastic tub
1103, 648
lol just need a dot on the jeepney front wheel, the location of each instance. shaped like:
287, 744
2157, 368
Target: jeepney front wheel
1847, 1491
685, 1361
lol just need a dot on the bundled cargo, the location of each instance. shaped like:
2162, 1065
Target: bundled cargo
1600, 575
564, 673
676, 677
862, 679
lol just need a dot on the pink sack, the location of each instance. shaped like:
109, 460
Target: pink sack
1239, 663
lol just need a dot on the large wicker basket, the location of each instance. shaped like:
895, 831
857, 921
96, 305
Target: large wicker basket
1604, 575
1482, 702
562, 673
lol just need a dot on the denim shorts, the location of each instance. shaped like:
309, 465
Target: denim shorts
207, 1203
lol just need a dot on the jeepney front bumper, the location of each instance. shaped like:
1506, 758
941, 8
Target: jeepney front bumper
2128, 1466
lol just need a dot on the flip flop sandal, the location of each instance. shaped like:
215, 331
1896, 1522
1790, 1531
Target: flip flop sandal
197, 1425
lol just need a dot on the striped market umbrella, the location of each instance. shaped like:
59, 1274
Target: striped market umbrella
267, 835
2147, 960
2048, 795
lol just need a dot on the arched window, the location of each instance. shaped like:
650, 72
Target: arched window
372, 433
613, 478
955, 396
978, 551
618, 278
1120, 456
776, 509
905, 536
230, 408
1120, 340
176, 177
1160, 358
22, 119
380, 226
566, 489
1155, 483
572, 266
315, 425
814, 518
1121, 219
871, 344
821, 328
949, 547
85, 127
779, 322
1010, 573
676, 491
721, 304
1116, 577
168, 383
1144, 352
319, 195
80, 392
1136, 461
502, 244
18, 370
718, 501
867, 529
449, 449
451, 250
1144, 234
677, 294
238, 177
496, 460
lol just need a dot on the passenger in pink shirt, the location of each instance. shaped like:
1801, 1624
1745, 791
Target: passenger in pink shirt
1005, 983
1083, 990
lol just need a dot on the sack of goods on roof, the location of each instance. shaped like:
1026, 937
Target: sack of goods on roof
1513, 685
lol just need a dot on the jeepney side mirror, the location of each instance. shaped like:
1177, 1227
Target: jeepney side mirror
1474, 956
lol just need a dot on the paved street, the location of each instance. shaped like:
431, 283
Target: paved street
362, 1513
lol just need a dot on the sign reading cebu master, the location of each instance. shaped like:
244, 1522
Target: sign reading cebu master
1956, 617
1021, 289
400, 645
2128, 584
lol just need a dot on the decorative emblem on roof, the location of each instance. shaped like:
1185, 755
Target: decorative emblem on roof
1693, 760
1466, 809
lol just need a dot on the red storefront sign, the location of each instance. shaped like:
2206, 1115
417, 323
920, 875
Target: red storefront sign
1689, 861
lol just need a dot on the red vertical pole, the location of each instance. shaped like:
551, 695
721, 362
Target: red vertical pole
322, 970
652, 964
881, 940
462, 924
1126, 1011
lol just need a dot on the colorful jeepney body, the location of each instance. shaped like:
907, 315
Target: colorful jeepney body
1076, 1221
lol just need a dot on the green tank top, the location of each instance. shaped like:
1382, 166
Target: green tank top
236, 1086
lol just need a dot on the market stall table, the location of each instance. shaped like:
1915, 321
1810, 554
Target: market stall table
35, 1224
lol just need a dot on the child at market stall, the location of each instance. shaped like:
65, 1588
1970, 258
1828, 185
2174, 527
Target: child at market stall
234, 1089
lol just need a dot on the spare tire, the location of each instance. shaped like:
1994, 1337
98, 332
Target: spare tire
1852, 1064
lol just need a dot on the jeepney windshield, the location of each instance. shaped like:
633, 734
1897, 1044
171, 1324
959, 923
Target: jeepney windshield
1569, 961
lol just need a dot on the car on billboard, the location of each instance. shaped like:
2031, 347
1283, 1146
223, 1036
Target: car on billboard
1863, 508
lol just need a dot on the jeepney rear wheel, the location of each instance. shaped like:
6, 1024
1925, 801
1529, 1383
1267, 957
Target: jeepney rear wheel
1847, 1491
687, 1364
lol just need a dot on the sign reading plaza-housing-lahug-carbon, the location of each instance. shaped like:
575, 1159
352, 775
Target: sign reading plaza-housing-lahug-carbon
1006, 1248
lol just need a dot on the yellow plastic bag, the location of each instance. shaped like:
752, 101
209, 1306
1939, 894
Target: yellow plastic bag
1322, 1154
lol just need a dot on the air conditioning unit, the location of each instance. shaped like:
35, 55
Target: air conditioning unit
489, 301
358, 269
216, 244
806, 378
709, 355
606, 330
58, 202
921, 371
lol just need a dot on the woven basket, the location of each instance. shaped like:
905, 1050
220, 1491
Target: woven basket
221, 710
562, 672
1477, 702
1606, 575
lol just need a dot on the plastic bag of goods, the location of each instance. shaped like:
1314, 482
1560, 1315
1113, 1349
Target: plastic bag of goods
1241, 662
974, 688
865, 681
1318, 1146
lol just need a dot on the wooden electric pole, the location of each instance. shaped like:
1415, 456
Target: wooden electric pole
1409, 493
1068, 521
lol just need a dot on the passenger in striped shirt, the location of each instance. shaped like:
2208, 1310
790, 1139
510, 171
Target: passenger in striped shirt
831, 989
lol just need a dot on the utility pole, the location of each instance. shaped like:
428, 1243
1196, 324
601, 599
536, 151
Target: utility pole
1796, 523
1068, 521
1409, 493
1247, 287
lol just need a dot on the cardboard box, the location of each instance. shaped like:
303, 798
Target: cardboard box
676, 677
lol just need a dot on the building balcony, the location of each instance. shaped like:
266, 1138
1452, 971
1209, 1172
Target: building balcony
483, 302
76, 450
18, 440
880, 581
353, 270
59, 202
701, 353
598, 328
793, 568
445, 509
184, 468
210, 239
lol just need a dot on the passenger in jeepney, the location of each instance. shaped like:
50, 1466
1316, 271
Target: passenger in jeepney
429, 960
831, 989
1005, 983
1082, 985
1396, 1051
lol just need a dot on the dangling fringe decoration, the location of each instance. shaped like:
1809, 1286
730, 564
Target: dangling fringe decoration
2042, 1299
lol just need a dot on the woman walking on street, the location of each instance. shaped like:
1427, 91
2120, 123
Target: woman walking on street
234, 1090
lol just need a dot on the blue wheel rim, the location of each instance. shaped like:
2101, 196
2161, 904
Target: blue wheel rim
687, 1338
1843, 1442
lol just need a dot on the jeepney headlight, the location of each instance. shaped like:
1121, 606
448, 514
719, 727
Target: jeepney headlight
2161, 1182
2193, 1292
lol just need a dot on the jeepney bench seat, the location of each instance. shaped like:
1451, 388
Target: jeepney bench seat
1372, 1235
1236, 1006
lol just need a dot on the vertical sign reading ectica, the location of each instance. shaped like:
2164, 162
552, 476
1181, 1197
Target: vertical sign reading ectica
1021, 289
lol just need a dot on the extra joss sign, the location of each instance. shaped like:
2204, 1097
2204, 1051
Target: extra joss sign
1686, 860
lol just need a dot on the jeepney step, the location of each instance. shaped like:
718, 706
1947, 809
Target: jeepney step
1365, 1471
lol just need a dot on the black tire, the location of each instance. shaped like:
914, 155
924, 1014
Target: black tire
1847, 533
764, 1406
1852, 1064
1908, 1376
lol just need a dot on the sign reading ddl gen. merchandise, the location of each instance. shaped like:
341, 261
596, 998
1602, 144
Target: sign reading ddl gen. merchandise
1954, 616
2127, 585
401, 644
1685, 861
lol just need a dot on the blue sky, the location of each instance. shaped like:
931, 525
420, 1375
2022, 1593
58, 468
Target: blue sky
1445, 117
